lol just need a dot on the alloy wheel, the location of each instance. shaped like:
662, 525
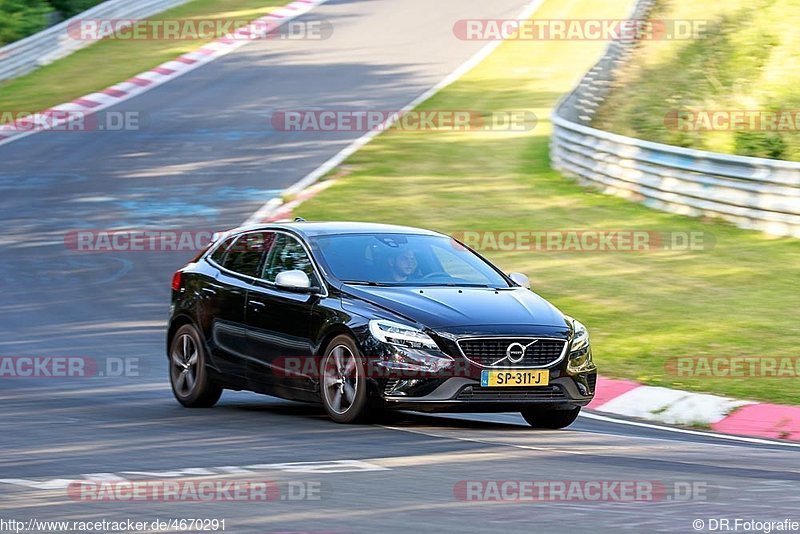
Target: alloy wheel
184, 364
340, 379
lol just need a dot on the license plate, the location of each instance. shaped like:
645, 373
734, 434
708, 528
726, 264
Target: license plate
515, 377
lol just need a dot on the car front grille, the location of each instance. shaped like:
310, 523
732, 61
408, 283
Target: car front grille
493, 352
478, 393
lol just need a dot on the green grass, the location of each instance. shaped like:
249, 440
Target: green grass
739, 298
111, 61
747, 60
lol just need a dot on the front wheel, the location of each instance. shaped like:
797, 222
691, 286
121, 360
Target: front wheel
342, 382
550, 418
188, 375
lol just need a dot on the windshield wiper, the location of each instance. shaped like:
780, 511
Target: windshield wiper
453, 284
411, 284
367, 283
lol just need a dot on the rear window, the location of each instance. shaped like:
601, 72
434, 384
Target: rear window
218, 256
245, 254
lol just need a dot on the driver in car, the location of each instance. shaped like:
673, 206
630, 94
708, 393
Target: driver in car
403, 264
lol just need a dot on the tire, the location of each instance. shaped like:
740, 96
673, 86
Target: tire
550, 418
343, 384
188, 376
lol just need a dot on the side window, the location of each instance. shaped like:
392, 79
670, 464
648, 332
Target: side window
244, 256
288, 255
218, 256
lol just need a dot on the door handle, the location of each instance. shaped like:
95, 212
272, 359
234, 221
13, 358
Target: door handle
258, 303
209, 291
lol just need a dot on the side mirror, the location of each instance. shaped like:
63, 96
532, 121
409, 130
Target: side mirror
520, 279
293, 281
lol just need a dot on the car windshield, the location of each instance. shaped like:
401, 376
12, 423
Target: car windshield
404, 260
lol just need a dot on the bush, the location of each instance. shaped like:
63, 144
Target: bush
68, 8
20, 18
760, 144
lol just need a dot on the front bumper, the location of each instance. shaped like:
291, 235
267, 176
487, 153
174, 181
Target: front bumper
398, 382
461, 394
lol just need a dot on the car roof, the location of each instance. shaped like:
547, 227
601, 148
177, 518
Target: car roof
312, 229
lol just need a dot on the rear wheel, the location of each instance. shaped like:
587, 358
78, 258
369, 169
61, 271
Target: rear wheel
548, 417
343, 386
188, 375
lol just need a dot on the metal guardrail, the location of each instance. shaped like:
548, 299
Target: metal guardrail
21, 57
753, 193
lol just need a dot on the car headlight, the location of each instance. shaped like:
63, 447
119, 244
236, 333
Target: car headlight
399, 334
580, 338
580, 353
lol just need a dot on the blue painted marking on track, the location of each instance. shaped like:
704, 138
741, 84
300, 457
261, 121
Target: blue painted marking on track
20, 182
209, 134
167, 208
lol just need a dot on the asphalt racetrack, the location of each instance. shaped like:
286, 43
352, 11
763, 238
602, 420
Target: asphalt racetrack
208, 158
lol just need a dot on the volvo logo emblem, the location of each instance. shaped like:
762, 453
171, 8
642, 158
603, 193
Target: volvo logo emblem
516, 351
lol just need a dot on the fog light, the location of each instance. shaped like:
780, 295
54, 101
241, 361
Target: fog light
398, 387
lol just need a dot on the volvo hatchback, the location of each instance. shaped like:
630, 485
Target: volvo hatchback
364, 317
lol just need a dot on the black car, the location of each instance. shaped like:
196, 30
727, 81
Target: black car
364, 317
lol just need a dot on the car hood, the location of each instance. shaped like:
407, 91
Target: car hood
442, 307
